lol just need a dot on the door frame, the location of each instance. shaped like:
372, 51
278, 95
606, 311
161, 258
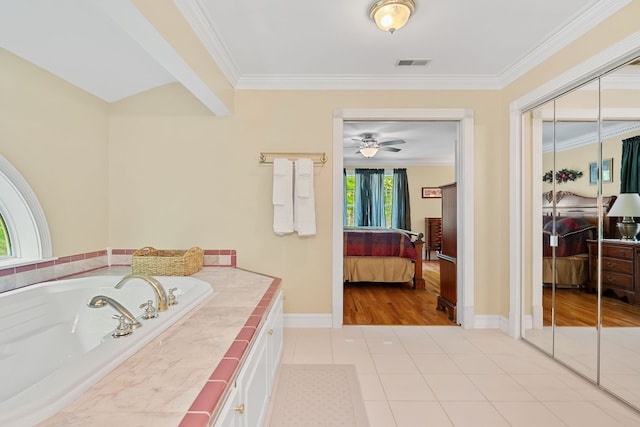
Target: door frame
464, 178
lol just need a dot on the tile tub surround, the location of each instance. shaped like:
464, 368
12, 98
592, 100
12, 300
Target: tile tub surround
68, 266
181, 377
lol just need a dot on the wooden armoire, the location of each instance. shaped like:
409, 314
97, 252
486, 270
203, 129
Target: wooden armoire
448, 254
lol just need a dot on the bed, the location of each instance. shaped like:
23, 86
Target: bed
576, 222
382, 255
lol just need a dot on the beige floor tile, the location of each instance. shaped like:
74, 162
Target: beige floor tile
527, 414
363, 362
476, 364
379, 413
406, 387
371, 387
582, 414
500, 388
394, 364
417, 414
453, 388
474, 414
435, 364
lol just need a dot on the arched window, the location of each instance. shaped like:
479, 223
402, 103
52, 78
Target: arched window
24, 232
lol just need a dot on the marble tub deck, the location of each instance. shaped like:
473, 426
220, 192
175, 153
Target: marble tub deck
173, 380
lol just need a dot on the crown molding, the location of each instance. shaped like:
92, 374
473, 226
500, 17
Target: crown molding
365, 82
196, 15
592, 16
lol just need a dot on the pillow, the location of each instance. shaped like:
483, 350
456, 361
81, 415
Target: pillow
567, 226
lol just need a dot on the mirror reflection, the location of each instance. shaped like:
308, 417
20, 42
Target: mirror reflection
620, 280
582, 296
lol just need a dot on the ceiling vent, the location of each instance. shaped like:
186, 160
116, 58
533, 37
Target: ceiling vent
412, 62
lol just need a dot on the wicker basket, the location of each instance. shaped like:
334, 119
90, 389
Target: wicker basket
156, 262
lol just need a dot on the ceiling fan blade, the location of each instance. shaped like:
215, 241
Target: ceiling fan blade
395, 150
394, 142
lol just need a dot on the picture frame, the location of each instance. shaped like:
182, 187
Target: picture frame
607, 171
431, 193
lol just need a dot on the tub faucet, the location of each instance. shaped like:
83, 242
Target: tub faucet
102, 301
161, 294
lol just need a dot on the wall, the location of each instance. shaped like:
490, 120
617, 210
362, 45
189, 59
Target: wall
185, 178
56, 135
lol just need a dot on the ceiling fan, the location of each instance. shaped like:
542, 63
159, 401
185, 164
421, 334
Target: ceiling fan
369, 144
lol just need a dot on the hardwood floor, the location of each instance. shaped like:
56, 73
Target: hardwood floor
395, 303
575, 307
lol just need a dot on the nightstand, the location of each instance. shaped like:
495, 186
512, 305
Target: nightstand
620, 268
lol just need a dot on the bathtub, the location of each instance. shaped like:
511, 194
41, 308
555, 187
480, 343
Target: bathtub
53, 346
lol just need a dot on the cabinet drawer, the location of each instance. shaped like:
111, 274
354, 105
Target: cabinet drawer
616, 265
617, 252
616, 280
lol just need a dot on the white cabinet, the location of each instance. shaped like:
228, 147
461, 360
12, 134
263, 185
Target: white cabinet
248, 402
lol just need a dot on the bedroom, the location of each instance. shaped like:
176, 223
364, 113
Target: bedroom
426, 150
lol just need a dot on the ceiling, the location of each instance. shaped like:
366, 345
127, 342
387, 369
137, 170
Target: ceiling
108, 48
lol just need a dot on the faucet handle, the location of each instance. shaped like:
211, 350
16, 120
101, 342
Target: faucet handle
172, 297
123, 329
150, 311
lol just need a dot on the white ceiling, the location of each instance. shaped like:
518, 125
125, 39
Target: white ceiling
109, 49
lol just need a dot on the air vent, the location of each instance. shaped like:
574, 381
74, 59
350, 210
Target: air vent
412, 62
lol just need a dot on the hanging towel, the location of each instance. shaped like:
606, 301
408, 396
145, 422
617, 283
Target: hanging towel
305, 204
282, 196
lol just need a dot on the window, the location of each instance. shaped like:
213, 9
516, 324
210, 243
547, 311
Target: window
349, 197
5, 242
24, 232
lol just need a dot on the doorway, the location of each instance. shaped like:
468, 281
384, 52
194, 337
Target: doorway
464, 176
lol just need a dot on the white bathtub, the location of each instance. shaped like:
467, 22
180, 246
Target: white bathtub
53, 346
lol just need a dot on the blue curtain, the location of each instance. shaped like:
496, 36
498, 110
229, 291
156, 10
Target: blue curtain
630, 165
368, 204
401, 208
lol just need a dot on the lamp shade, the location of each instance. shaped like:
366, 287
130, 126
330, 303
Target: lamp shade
369, 151
391, 15
626, 204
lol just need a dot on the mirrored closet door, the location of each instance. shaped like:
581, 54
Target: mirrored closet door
580, 304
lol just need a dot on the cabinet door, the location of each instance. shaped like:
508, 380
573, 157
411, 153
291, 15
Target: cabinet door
253, 382
232, 411
274, 331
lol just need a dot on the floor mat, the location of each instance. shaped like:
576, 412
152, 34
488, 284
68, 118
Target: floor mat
318, 396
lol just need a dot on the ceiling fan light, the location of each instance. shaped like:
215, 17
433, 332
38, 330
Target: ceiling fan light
391, 15
369, 151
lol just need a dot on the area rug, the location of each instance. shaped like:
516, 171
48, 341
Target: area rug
318, 396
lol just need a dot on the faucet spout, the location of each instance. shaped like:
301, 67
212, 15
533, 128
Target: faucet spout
102, 301
158, 289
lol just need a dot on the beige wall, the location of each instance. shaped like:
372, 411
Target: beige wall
56, 135
180, 177
167, 173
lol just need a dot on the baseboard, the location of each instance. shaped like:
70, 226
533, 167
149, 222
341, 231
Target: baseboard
489, 321
307, 320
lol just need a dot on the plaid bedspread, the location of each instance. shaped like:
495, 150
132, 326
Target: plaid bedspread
377, 242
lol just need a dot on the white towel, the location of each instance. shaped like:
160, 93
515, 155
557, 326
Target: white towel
282, 196
305, 204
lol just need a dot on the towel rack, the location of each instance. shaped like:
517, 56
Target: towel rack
318, 158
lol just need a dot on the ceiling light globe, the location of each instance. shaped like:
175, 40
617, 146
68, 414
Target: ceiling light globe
391, 15
369, 151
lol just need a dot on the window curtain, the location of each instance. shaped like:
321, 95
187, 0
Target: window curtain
344, 197
368, 203
630, 165
401, 208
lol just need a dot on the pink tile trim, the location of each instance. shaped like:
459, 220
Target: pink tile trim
237, 350
253, 321
225, 370
208, 397
246, 334
7, 271
195, 420
24, 268
45, 264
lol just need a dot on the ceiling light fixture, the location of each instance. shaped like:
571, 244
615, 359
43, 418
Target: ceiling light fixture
368, 151
391, 15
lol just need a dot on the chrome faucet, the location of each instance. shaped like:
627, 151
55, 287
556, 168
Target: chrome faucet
102, 301
161, 294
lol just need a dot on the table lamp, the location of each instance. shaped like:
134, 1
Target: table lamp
627, 205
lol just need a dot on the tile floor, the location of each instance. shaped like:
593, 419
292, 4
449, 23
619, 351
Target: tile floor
446, 376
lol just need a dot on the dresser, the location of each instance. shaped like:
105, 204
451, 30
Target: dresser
620, 268
448, 298
433, 231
